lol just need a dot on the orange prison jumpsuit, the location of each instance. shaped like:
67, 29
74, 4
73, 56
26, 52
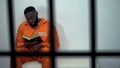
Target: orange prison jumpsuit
26, 29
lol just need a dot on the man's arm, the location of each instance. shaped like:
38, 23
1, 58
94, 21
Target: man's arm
19, 39
47, 42
46, 39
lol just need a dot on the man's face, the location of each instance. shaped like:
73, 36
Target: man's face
31, 17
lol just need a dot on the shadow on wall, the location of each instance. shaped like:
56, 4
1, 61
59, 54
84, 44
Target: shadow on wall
62, 37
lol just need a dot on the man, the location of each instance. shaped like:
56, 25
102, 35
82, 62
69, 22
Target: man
34, 25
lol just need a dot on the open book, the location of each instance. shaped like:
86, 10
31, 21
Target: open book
34, 37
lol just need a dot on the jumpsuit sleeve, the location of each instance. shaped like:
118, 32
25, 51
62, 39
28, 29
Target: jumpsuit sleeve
47, 41
19, 39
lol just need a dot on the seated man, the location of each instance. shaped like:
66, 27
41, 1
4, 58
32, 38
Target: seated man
32, 28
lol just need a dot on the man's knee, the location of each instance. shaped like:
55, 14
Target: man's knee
22, 49
45, 49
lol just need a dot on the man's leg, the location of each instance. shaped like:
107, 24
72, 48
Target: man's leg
18, 60
22, 59
45, 60
46, 63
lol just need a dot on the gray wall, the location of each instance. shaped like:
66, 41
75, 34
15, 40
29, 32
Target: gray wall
73, 16
4, 62
108, 62
73, 62
4, 37
108, 23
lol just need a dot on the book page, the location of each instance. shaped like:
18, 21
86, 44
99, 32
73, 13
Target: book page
33, 36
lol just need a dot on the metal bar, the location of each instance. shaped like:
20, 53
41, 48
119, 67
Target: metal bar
11, 31
93, 32
63, 54
51, 16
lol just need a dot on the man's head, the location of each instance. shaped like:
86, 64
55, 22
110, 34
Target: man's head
31, 15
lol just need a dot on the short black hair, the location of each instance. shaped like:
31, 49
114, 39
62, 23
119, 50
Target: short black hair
28, 9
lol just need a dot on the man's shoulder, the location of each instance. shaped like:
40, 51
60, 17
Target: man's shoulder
23, 24
44, 21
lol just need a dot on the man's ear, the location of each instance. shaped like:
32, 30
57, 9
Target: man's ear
36, 13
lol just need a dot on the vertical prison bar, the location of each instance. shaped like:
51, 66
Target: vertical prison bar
51, 16
11, 31
93, 31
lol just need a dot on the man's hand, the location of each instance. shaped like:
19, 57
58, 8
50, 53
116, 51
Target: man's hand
29, 44
37, 47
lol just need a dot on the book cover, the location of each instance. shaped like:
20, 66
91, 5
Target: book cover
34, 37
